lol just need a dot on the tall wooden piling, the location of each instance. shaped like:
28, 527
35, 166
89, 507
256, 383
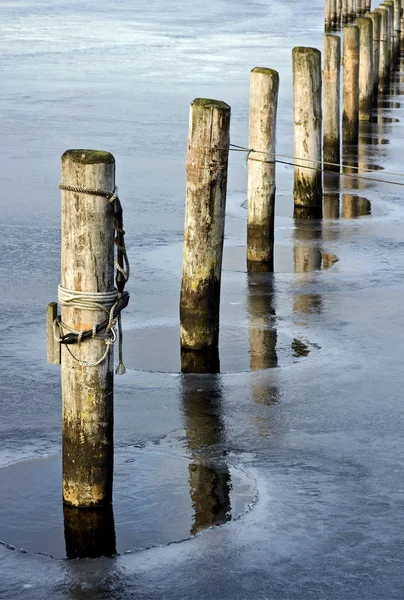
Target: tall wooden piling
389, 4
207, 160
328, 15
87, 391
345, 12
397, 26
307, 118
264, 85
376, 20
350, 114
351, 10
331, 95
360, 7
384, 47
339, 14
365, 26
333, 13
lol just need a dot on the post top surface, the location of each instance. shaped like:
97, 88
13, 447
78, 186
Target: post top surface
89, 157
265, 71
305, 50
209, 103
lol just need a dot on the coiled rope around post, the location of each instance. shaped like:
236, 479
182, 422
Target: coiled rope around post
112, 303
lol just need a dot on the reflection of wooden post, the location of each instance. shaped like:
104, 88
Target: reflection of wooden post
261, 316
349, 206
307, 113
209, 479
208, 144
307, 258
376, 20
331, 205
350, 117
89, 533
87, 391
332, 88
264, 85
365, 26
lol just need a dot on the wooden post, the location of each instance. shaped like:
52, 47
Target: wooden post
397, 26
345, 12
207, 159
350, 115
328, 15
376, 20
307, 117
52, 346
384, 47
365, 26
360, 7
351, 10
332, 111
87, 391
339, 14
333, 13
390, 35
368, 4
264, 85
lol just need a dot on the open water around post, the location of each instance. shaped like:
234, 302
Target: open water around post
296, 450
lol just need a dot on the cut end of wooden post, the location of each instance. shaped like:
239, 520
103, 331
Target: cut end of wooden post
209, 103
265, 71
305, 50
89, 157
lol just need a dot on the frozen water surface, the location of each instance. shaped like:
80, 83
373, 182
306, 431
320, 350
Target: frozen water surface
312, 417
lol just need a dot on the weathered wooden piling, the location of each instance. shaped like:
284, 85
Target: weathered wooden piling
397, 26
345, 12
350, 114
328, 15
331, 96
389, 4
376, 20
333, 13
360, 7
207, 160
351, 10
307, 116
365, 26
264, 86
368, 4
339, 14
384, 47
87, 382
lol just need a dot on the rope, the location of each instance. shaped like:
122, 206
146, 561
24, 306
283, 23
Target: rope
112, 303
249, 151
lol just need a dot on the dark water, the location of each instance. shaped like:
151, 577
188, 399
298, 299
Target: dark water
305, 423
